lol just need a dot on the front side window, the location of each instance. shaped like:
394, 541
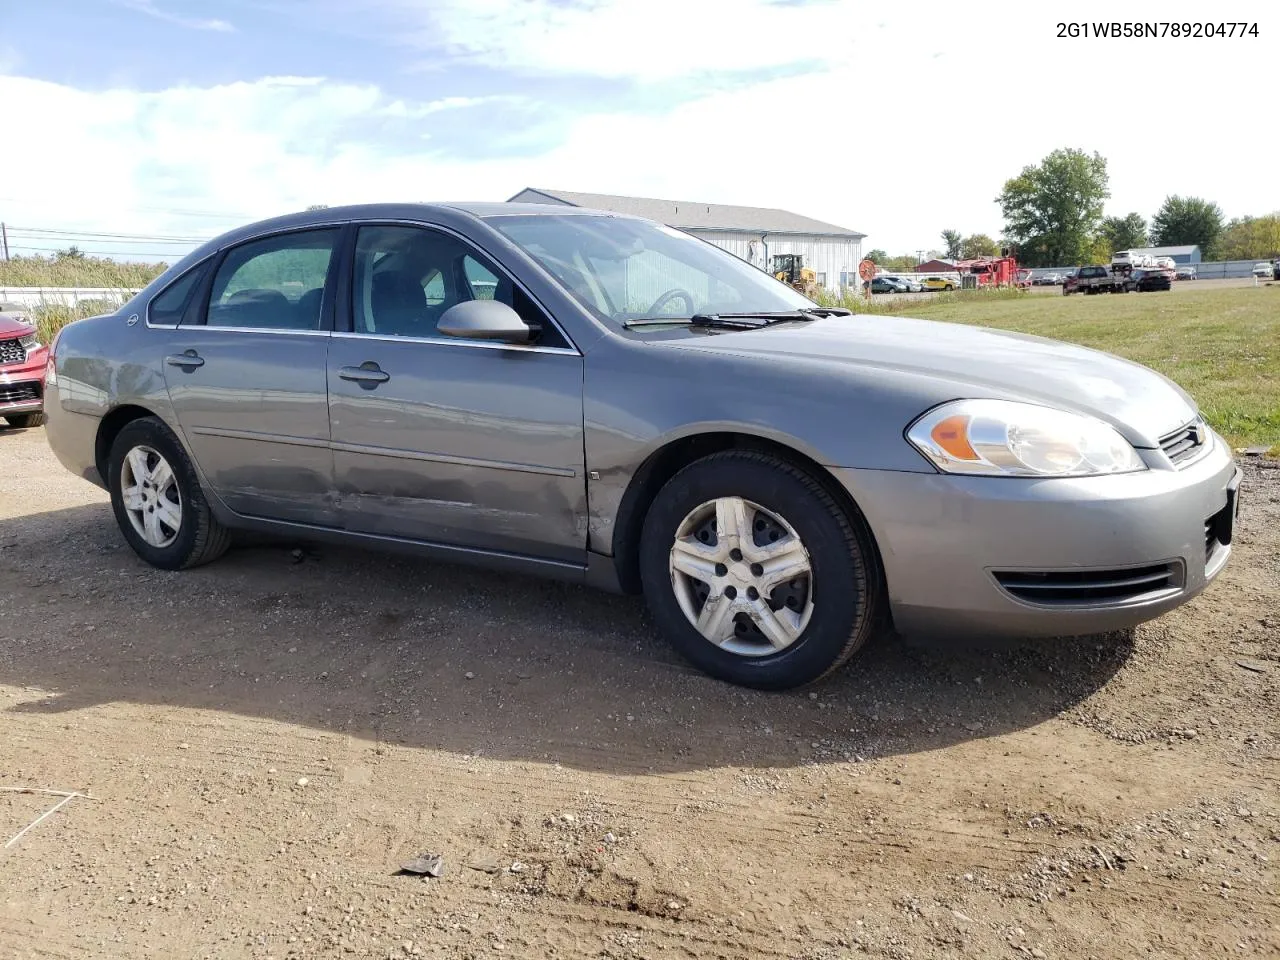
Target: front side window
622, 269
405, 278
276, 283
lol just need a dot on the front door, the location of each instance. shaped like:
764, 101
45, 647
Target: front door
247, 378
435, 438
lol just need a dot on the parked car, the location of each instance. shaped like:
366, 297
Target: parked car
1185, 273
940, 283
888, 285
1093, 279
1150, 279
1165, 263
1275, 269
22, 362
909, 285
779, 479
1128, 260
1263, 270
1047, 280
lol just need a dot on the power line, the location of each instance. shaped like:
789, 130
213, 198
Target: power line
244, 217
51, 232
18, 249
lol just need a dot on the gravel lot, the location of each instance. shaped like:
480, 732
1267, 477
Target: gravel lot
268, 738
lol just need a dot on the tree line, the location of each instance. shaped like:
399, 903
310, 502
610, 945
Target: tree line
1054, 217
1053, 214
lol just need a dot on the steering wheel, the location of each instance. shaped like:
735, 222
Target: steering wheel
676, 293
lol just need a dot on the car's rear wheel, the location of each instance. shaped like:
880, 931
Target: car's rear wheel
157, 499
755, 574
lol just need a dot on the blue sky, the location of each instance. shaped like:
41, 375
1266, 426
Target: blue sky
181, 118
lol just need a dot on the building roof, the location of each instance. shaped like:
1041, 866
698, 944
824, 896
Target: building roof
1182, 251
688, 215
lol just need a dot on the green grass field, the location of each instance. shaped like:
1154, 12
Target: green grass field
1221, 344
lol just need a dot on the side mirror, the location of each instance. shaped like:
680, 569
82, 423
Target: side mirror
484, 320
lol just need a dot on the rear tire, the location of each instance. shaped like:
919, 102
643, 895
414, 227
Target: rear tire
158, 502
24, 421
806, 575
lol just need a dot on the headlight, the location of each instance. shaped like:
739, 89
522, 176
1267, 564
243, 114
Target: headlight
1008, 439
30, 342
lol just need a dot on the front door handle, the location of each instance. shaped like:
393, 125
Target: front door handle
368, 375
188, 361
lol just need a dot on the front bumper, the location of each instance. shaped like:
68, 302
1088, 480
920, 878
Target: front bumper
948, 543
22, 384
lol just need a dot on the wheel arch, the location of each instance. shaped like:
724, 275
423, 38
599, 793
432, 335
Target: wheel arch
109, 428
676, 454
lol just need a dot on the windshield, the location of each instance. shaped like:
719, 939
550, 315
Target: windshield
622, 269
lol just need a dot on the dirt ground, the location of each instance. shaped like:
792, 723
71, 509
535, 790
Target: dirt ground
268, 738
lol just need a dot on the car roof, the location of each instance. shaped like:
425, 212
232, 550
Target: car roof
437, 211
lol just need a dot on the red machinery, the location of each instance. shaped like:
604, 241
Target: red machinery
995, 272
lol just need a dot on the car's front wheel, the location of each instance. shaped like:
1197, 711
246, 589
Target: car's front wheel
158, 503
25, 420
755, 573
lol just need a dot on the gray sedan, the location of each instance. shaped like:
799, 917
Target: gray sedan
603, 399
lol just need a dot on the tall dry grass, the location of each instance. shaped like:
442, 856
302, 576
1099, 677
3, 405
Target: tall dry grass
62, 270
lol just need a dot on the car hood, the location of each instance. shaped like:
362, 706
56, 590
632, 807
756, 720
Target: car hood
11, 326
976, 362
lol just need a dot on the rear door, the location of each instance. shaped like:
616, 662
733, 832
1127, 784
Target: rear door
246, 376
459, 442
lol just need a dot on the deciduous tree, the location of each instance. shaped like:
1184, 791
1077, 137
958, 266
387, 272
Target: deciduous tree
1251, 238
1053, 210
1124, 233
978, 245
1188, 220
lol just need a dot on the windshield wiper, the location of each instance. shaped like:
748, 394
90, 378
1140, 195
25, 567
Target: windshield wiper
730, 321
826, 311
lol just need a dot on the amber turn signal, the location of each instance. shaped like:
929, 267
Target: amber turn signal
952, 435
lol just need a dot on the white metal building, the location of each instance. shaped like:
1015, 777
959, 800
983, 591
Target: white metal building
756, 234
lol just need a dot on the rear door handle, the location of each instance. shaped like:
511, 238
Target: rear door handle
368, 374
188, 361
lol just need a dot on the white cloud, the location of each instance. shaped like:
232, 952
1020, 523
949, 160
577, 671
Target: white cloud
895, 141
402, 108
644, 39
193, 23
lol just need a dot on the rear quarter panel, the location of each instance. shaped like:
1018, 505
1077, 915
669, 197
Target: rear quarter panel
102, 363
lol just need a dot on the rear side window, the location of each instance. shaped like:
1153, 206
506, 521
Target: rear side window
273, 284
168, 307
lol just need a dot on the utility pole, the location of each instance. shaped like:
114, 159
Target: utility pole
4, 241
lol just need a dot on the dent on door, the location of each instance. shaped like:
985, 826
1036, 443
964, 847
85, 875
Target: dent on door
477, 448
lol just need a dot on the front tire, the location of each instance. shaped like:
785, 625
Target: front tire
24, 421
157, 499
755, 574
